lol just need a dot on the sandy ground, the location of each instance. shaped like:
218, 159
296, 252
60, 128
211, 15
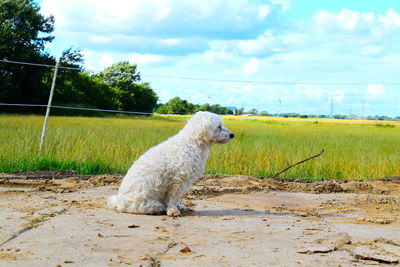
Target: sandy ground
59, 219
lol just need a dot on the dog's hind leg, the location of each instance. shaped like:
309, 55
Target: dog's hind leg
137, 205
148, 206
182, 207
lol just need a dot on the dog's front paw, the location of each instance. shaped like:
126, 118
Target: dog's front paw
173, 212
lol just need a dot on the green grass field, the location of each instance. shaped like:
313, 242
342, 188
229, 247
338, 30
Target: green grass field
260, 148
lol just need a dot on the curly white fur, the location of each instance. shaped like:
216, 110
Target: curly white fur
158, 179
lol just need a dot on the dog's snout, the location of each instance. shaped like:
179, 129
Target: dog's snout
231, 135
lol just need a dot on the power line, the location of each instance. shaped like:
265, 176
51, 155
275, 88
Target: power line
79, 108
213, 80
51, 66
268, 82
36, 64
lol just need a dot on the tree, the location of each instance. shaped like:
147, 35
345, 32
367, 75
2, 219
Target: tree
177, 105
68, 89
23, 35
130, 94
215, 109
75, 87
252, 111
204, 107
95, 92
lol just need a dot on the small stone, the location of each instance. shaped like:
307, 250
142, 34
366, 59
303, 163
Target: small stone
185, 250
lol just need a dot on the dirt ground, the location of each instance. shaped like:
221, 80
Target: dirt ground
59, 219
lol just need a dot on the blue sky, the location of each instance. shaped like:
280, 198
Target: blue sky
314, 52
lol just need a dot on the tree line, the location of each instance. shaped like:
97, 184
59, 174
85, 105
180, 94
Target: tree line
24, 32
177, 105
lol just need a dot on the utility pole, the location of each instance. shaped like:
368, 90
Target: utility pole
331, 111
363, 109
46, 118
280, 107
258, 107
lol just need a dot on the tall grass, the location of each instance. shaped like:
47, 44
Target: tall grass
260, 148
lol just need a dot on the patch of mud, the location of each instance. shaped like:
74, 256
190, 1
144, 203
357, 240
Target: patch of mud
208, 185
45, 175
217, 184
373, 202
57, 182
391, 179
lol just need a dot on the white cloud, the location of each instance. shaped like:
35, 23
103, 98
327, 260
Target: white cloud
351, 20
284, 3
253, 47
309, 92
373, 50
252, 66
345, 21
162, 14
89, 64
212, 56
146, 59
263, 12
143, 26
105, 60
165, 95
348, 21
171, 41
374, 91
295, 40
338, 95
99, 39
248, 89
391, 19
266, 43
170, 17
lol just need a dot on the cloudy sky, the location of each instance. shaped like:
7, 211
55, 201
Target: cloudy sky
302, 56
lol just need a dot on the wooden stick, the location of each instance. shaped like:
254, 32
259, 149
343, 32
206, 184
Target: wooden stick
313, 157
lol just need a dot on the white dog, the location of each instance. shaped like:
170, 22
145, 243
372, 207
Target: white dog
158, 179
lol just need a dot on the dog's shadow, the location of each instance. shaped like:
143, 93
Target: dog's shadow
241, 212
225, 212
259, 213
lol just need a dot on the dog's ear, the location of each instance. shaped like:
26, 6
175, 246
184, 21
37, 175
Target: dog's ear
201, 126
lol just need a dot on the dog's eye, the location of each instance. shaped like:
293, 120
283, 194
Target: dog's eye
219, 127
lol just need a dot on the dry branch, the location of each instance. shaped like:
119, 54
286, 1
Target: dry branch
313, 157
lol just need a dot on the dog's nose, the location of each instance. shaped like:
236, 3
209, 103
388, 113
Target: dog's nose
231, 135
